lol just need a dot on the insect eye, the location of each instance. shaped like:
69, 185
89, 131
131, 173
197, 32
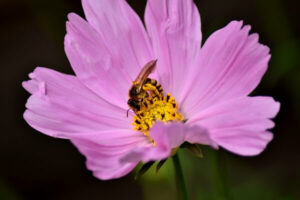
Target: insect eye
132, 92
129, 102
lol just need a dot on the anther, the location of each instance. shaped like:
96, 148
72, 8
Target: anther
155, 107
168, 97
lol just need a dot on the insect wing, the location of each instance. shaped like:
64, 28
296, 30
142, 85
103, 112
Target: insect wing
144, 73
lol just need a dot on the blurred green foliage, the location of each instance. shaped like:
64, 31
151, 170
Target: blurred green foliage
6, 192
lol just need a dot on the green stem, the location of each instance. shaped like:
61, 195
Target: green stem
179, 178
221, 179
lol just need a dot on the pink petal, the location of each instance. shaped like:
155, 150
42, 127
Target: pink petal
230, 64
108, 52
60, 105
122, 31
239, 125
167, 137
103, 151
94, 64
175, 31
243, 142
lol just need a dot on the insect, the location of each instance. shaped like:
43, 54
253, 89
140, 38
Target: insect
142, 87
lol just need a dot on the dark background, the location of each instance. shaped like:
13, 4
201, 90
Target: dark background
35, 166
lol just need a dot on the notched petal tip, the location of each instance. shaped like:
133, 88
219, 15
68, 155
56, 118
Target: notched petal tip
34, 85
266, 138
30, 86
72, 16
235, 23
277, 107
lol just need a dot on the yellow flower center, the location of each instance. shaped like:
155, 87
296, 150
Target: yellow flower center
155, 107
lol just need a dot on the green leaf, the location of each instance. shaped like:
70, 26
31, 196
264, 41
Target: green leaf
144, 169
160, 164
194, 148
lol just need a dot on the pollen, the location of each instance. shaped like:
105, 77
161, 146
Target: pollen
155, 107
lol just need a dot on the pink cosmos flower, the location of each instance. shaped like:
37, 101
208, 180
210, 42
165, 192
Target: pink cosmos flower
210, 84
